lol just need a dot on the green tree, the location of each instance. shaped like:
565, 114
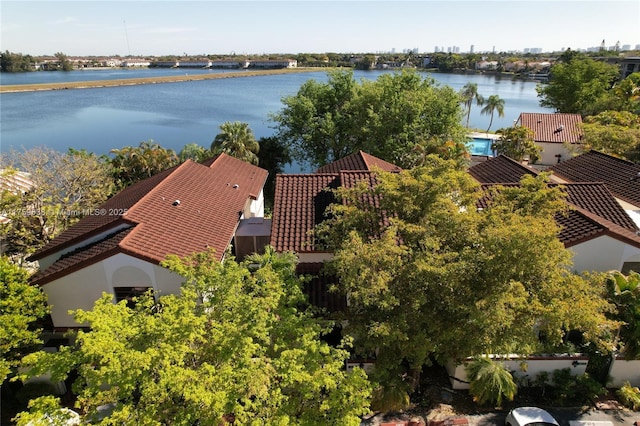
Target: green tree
64, 63
627, 94
613, 132
490, 381
429, 274
132, 164
237, 344
387, 117
469, 94
273, 156
65, 187
492, 104
237, 140
195, 152
21, 305
517, 143
579, 86
624, 292
16, 62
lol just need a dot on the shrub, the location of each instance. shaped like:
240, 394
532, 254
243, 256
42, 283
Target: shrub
490, 381
629, 396
569, 389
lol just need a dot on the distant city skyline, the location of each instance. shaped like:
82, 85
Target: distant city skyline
159, 27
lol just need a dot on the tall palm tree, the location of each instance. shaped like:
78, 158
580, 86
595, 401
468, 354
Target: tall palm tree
470, 93
237, 140
493, 104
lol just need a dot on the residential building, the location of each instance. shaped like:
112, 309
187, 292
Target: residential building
118, 249
301, 202
597, 229
558, 135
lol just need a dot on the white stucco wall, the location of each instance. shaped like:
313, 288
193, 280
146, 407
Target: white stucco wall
602, 254
316, 257
80, 289
534, 365
622, 371
549, 152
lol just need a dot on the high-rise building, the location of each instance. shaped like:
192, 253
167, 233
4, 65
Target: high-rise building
471, 49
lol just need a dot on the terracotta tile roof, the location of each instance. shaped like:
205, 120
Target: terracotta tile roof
597, 199
95, 224
211, 199
358, 161
82, 257
620, 176
553, 128
500, 169
593, 212
582, 225
300, 203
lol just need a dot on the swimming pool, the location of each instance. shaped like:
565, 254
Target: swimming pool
481, 146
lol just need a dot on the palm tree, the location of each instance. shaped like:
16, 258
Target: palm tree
470, 93
237, 140
490, 381
493, 104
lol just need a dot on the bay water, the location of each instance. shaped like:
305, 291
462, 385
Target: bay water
175, 114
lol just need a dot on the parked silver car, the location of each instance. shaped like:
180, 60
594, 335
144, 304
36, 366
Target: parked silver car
530, 416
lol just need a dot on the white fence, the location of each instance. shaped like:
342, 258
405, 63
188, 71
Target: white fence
533, 365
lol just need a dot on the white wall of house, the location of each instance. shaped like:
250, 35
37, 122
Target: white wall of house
549, 152
316, 257
254, 208
80, 289
622, 371
602, 254
535, 365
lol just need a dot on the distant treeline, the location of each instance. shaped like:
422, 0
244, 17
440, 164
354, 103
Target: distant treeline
438, 61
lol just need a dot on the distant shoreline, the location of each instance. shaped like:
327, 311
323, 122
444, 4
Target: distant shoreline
15, 88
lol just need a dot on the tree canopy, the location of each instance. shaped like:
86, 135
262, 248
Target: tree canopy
613, 132
579, 85
624, 291
236, 344
387, 118
131, 164
492, 105
517, 143
20, 306
237, 140
65, 187
433, 270
469, 94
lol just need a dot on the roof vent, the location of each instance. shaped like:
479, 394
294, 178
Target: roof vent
176, 203
236, 186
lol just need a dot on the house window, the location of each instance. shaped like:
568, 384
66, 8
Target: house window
129, 294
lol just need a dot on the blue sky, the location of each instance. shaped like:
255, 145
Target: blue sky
160, 27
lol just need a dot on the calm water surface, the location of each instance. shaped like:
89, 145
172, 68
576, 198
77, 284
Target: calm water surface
174, 114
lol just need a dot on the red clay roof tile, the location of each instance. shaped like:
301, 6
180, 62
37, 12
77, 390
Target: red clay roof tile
500, 169
180, 211
358, 161
553, 128
622, 177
